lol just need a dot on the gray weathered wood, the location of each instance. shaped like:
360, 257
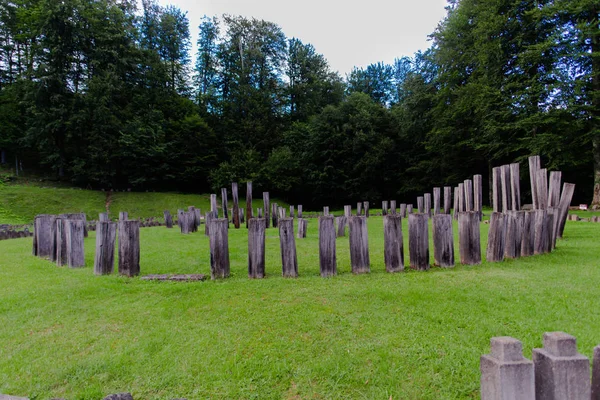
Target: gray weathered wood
185, 224
456, 207
325, 210
103, 217
447, 199
302, 225
359, 245
418, 241
299, 210
461, 198
393, 207
274, 214
123, 215
80, 216
497, 189
554, 189
528, 234
340, 223
281, 212
506, 194
292, 212
409, 209
563, 206
197, 218
478, 195
236, 205
540, 223
60, 243
242, 216
469, 238
168, 219
366, 207
248, 201
213, 204
104, 259
256, 247
347, 211
358, 209
393, 247
542, 188
45, 236
224, 204
267, 208
191, 219
327, 256
469, 202
512, 235
421, 204
219, 248
208, 218
427, 204
496, 238
403, 210
384, 207
437, 200
443, 240
534, 166
287, 244
259, 213
75, 240
129, 248
515, 186
553, 214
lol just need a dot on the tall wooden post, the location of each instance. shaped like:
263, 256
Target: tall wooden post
456, 207
292, 212
512, 236
443, 240
528, 235
540, 228
534, 167
219, 249
515, 186
103, 217
75, 251
274, 214
168, 219
236, 207
325, 211
299, 210
45, 236
347, 211
327, 256
496, 238
447, 199
123, 215
469, 203
427, 200
563, 206
358, 209
461, 197
289, 259
224, 205
359, 245
420, 204
469, 238
554, 191
60, 245
393, 206
393, 243
542, 188
302, 225
191, 219
418, 241
248, 201
267, 208
366, 206
129, 248
478, 195
256, 247
213, 205
505, 182
403, 210
384, 207
104, 260
497, 189
341, 226
436, 200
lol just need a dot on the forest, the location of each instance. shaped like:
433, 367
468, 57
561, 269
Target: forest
107, 94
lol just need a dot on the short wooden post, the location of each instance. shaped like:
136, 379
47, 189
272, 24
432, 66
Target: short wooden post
287, 243
497, 189
80, 216
447, 199
340, 222
496, 237
549, 226
359, 245
213, 204
384, 207
267, 208
420, 204
427, 205
513, 234
358, 209
347, 211
45, 236
103, 217
542, 188
478, 195
123, 215
327, 257
534, 167
60, 243
443, 240
129, 248
418, 241
366, 207
168, 219
74, 236
563, 206
393, 207
554, 190
224, 205
469, 238
325, 210
436, 200
281, 212
300, 211
236, 205
515, 186
248, 201
540, 225
104, 260
256, 247
184, 222
393, 243
191, 219
219, 248
403, 210
528, 236
292, 212
409, 209
553, 215
302, 225
469, 202
208, 218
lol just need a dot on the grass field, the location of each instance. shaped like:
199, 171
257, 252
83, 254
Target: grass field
413, 335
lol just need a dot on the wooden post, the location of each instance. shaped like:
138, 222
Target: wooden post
208, 217
418, 241
256, 247
60, 243
45, 236
359, 245
528, 234
563, 206
302, 225
274, 214
497, 189
513, 234
409, 209
436, 200
213, 204
506, 194
393, 207
327, 257
358, 209
427, 201
103, 217
267, 208
554, 191
80, 216
549, 226
129, 248
248, 201
534, 167
515, 186
469, 238
197, 218
478, 195
236, 205
384, 207
393, 243
191, 219
281, 212
496, 238
184, 223
347, 211
542, 188
104, 260
123, 215
553, 213
403, 210
242, 216
292, 212
469, 203
219, 248
341, 226
540, 225
74, 236
420, 204
461, 198
168, 219
287, 243
224, 205
447, 199
259, 213
456, 207
366, 207
325, 211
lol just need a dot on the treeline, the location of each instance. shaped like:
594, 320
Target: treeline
107, 95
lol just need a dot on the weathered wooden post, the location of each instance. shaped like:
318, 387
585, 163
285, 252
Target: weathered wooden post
236, 205
129, 248
219, 248
478, 195
287, 243
168, 219
248, 201
497, 189
267, 208
341, 226
549, 226
393, 243
528, 236
418, 241
469, 203
104, 260
184, 222
515, 186
208, 217
80, 216
224, 205
436, 200
292, 212
505, 181
469, 238
513, 234
443, 240
299, 210
427, 205
358, 209
540, 225
534, 167
447, 199
60, 244
191, 219
347, 211
393, 207
327, 257
197, 218
45, 236
259, 213
274, 214
213, 204
325, 211
123, 215
302, 225
242, 216
359, 245
256, 247
74, 235
403, 210
496, 238
461, 197
103, 217
384, 207
553, 227
409, 208
420, 204
366, 207
554, 190
542, 188
563, 206
281, 212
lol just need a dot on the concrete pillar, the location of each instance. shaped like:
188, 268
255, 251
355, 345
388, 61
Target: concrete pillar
560, 372
505, 373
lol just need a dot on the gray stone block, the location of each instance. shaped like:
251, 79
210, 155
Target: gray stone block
596, 374
505, 373
560, 372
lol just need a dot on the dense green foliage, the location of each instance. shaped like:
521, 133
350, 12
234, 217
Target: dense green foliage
106, 95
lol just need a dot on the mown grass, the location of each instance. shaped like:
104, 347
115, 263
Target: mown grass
412, 335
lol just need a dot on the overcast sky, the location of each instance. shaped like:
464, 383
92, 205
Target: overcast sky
346, 34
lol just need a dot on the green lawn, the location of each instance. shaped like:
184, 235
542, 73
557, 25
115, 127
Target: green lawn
413, 335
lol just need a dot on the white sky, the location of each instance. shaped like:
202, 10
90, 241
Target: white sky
346, 33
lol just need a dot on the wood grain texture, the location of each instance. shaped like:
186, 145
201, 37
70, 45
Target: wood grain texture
129, 248
327, 255
287, 243
469, 238
496, 238
443, 240
256, 247
359, 245
104, 258
393, 247
219, 248
418, 241
236, 205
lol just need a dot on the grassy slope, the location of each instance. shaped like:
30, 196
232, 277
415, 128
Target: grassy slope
67, 333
